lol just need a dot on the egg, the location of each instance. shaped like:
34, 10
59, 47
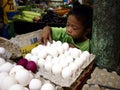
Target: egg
65, 46
66, 73
23, 77
75, 53
58, 43
41, 62
2, 61
63, 63
48, 58
53, 52
3, 75
47, 86
40, 47
60, 50
2, 50
69, 59
73, 67
48, 66
28, 56
34, 58
66, 53
16, 87
42, 54
56, 69
15, 69
6, 67
34, 51
79, 62
8, 82
35, 84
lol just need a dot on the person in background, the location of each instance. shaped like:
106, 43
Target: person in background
79, 24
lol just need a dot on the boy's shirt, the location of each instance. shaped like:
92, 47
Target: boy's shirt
61, 35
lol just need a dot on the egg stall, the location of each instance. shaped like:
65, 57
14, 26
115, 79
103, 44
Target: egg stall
54, 64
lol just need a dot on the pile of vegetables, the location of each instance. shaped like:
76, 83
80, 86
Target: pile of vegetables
27, 16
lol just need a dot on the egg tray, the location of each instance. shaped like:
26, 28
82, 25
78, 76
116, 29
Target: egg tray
57, 79
12, 50
101, 79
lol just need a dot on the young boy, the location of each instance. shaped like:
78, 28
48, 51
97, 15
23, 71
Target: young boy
78, 25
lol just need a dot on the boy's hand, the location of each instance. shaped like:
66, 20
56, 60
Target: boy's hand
72, 46
46, 35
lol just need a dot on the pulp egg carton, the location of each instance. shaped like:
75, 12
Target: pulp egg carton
11, 50
18, 78
103, 79
59, 63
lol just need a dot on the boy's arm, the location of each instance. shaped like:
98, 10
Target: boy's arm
46, 35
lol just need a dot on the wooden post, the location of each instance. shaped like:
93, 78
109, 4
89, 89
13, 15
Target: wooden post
105, 42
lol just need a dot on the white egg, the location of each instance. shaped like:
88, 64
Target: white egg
41, 62
67, 73
56, 69
84, 60
79, 62
2, 61
34, 58
58, 43
65, 45
34, 51
73, 67
28, 56
53, 52
47, 86
15, 69
61, 56
60, 50
16, 87
26, 88
35, 84
75, 53
3, 75
63, 63
6, 67
48, 66
48, 58
40, 47
8, 82
2, 50
69, 59
23, 77
42, 54
55, 60
66, 53
86, 54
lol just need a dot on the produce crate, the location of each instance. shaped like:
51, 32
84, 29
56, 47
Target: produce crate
22, 27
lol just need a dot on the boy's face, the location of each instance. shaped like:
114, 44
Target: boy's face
74, 27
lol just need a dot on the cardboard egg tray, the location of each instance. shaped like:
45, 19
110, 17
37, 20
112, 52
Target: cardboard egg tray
101, 79
12, 50
72, 83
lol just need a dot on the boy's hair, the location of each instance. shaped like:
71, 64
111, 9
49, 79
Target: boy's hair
83, 13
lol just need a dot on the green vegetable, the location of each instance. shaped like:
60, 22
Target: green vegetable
31, 13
